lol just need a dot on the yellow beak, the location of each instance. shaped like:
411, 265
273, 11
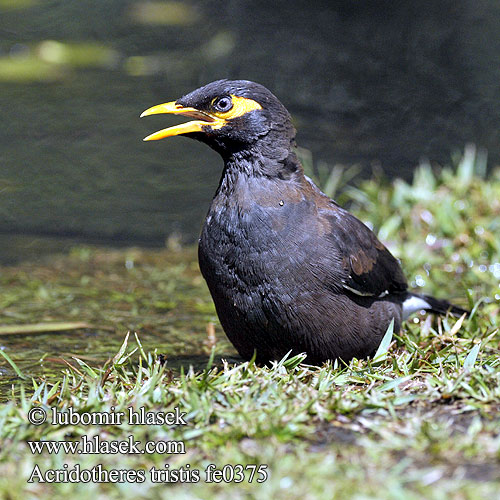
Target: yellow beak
204, 120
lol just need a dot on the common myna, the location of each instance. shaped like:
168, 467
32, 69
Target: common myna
287, 267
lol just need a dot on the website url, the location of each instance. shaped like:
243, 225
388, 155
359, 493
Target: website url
96, 445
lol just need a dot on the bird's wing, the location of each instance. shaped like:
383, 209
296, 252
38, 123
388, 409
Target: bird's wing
368, 268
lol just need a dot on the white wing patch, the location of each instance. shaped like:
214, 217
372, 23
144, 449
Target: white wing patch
413, 304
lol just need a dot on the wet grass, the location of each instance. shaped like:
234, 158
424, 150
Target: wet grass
421, 420
105, 293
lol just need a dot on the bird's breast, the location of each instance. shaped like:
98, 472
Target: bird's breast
256, 235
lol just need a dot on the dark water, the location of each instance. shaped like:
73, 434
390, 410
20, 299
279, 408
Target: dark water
374, 83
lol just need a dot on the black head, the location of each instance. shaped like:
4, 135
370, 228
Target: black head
232, 116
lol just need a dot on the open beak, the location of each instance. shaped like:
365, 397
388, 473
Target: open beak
199, 125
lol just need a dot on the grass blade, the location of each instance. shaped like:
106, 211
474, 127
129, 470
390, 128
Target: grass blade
386, 342
42, 328
471, 357
19, 373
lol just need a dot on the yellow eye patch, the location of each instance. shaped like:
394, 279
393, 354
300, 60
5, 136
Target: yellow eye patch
241, 106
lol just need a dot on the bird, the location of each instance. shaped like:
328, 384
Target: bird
290, 271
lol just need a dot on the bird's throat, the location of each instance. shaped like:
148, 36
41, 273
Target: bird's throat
252, 164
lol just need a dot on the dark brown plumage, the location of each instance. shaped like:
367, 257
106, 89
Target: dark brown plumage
287, 267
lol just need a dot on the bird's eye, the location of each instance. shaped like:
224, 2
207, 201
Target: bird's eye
224, 104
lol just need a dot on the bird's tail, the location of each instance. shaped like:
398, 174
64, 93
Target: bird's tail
416, 302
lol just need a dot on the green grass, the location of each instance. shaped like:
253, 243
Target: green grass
419, 421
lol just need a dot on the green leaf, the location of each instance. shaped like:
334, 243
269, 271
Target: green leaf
19, 373
386, 342
471, 357
117, 359
294, 361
